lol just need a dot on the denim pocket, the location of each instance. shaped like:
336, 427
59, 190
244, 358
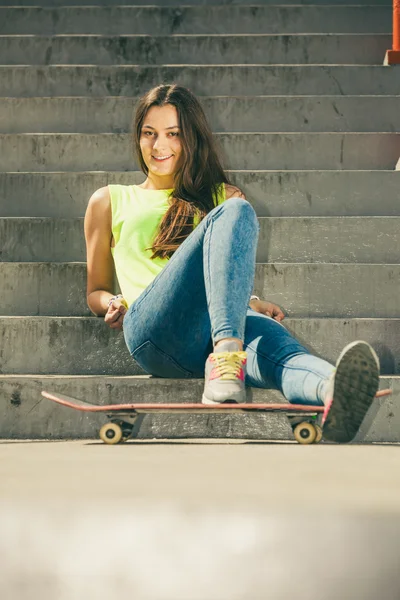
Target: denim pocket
155, 362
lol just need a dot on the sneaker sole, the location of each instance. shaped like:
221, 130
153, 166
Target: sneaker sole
355, 385
205, 400
239, 400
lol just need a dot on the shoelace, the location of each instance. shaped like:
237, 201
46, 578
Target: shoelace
228, 364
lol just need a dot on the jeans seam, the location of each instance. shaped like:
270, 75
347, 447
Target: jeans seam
208, 263
280, 364
213, 216
227, 334
170, 358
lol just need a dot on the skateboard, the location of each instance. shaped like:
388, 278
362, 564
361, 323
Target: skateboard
305, 420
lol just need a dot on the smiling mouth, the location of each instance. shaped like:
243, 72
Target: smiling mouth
162, 158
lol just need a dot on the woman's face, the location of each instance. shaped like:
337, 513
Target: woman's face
160, 141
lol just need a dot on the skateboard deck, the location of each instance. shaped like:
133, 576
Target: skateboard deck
305, 419
85, 406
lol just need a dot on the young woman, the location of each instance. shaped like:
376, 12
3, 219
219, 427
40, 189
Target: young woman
183, 244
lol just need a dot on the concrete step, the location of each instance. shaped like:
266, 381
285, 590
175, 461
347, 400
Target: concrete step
272, 193
282, 239
195, 2
133, 80
306, 49
241, 113
43, 289
329, 240
168, 20
86, 346
82, 152
24, 413
301, 290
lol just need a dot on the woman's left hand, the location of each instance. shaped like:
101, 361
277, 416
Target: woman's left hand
267, 308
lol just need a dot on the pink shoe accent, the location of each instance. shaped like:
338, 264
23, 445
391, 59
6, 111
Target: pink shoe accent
326, 411
214, 375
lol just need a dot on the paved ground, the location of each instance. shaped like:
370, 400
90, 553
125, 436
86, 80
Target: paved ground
199, 520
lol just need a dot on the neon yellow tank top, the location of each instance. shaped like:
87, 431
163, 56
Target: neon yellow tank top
136, 215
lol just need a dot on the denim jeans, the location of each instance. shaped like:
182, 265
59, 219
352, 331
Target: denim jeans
202, 296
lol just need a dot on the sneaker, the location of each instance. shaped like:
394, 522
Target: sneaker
225, 375
351, 390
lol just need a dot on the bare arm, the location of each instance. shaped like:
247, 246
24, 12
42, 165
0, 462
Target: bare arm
100, 264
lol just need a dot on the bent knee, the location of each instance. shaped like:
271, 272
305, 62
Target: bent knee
241, 206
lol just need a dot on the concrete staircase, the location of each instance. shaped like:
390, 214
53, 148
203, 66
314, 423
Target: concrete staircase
308, 117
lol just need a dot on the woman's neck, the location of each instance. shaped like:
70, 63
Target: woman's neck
157, 183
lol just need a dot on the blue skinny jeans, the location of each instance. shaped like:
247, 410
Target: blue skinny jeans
202, 296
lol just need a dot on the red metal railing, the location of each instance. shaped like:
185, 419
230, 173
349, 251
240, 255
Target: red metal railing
393, 55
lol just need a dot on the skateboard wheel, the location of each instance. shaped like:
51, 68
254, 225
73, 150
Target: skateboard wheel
305, 433
319, 434
111, 433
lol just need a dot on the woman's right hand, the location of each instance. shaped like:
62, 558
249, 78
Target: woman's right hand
116, 313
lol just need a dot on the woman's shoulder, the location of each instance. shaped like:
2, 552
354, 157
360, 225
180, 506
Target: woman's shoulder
100, 198
231, 191
98, 212
109, 195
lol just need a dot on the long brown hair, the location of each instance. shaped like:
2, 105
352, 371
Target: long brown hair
198, 178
